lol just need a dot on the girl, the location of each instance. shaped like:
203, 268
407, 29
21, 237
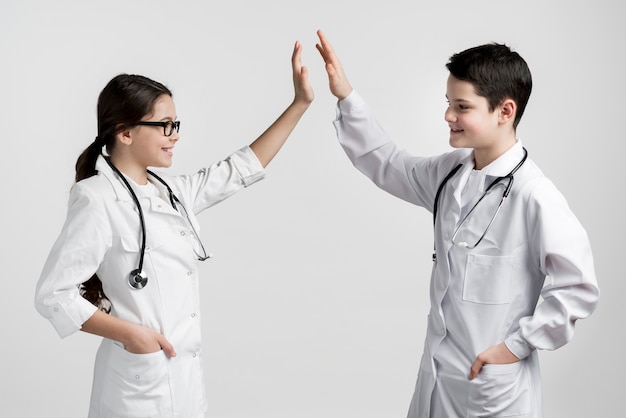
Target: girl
124, 264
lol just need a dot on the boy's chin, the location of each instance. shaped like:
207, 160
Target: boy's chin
458, 144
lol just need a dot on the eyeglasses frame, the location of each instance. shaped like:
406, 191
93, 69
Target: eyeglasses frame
173, 124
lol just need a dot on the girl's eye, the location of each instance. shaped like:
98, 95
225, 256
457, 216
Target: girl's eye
463, 107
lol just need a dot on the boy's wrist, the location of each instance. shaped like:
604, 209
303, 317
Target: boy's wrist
518, 345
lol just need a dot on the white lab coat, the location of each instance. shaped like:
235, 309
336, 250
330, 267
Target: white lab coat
102, 235
487, 295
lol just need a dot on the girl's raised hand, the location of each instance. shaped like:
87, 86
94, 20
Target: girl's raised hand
303, 90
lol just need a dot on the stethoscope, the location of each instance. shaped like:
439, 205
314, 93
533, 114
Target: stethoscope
137, 279
495, 182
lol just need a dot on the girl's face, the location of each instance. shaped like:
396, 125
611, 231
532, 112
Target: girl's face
149, 146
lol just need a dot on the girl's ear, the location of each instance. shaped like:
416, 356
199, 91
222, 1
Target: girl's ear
507, 108
124, 137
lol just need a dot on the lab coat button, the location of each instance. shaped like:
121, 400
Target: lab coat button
55, 309
193, 315
182, 233
194, 355
137, 376
189, 273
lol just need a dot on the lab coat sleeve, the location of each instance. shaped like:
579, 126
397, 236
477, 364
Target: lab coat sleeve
370, 150
563, 251
221, 180
74, 258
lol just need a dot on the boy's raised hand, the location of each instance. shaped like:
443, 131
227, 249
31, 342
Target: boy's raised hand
338, 82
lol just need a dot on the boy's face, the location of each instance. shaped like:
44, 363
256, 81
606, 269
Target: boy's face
472, 124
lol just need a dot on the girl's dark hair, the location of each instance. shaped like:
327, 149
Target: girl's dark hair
496, 72
123, 102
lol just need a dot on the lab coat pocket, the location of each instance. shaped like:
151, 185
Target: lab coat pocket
500, 390
137, 385
488, 279
154, 240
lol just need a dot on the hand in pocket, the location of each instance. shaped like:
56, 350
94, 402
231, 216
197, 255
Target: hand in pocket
498, 354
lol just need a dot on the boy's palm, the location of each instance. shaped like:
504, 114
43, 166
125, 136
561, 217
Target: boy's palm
338, 82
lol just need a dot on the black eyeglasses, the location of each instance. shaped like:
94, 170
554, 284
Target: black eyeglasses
168, 126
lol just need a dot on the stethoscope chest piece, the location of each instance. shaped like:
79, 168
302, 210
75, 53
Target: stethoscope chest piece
137, 279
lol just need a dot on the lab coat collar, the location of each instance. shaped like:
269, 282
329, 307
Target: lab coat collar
458, 182
122, 193
119, 188
501, 166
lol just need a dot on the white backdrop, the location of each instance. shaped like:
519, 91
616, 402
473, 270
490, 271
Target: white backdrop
315, 303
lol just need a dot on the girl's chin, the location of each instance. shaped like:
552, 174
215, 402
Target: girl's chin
162, 164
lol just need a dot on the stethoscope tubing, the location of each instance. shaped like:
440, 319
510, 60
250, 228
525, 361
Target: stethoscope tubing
491, 185
496, 181
137, 278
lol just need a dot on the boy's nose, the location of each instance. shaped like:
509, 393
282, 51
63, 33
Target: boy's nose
449, 115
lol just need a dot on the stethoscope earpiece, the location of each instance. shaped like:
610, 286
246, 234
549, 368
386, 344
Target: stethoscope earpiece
137, 279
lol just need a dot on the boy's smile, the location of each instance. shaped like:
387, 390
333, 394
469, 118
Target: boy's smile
473, 125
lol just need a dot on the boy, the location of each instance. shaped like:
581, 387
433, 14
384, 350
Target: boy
501, 227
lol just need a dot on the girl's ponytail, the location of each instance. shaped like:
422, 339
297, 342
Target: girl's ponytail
86, 163
92, 291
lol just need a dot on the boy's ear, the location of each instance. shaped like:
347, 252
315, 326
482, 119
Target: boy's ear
507, 108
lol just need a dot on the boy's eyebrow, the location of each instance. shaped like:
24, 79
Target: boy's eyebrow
459, 100
462, 100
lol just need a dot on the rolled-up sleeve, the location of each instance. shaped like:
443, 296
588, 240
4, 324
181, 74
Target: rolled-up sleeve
221, 180
73, 259
248, 166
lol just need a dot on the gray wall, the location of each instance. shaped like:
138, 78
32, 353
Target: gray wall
315, 302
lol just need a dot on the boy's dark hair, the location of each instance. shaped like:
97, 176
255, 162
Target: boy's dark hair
496, 73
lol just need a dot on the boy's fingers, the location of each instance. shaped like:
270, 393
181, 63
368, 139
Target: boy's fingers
327, 46
475, 369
